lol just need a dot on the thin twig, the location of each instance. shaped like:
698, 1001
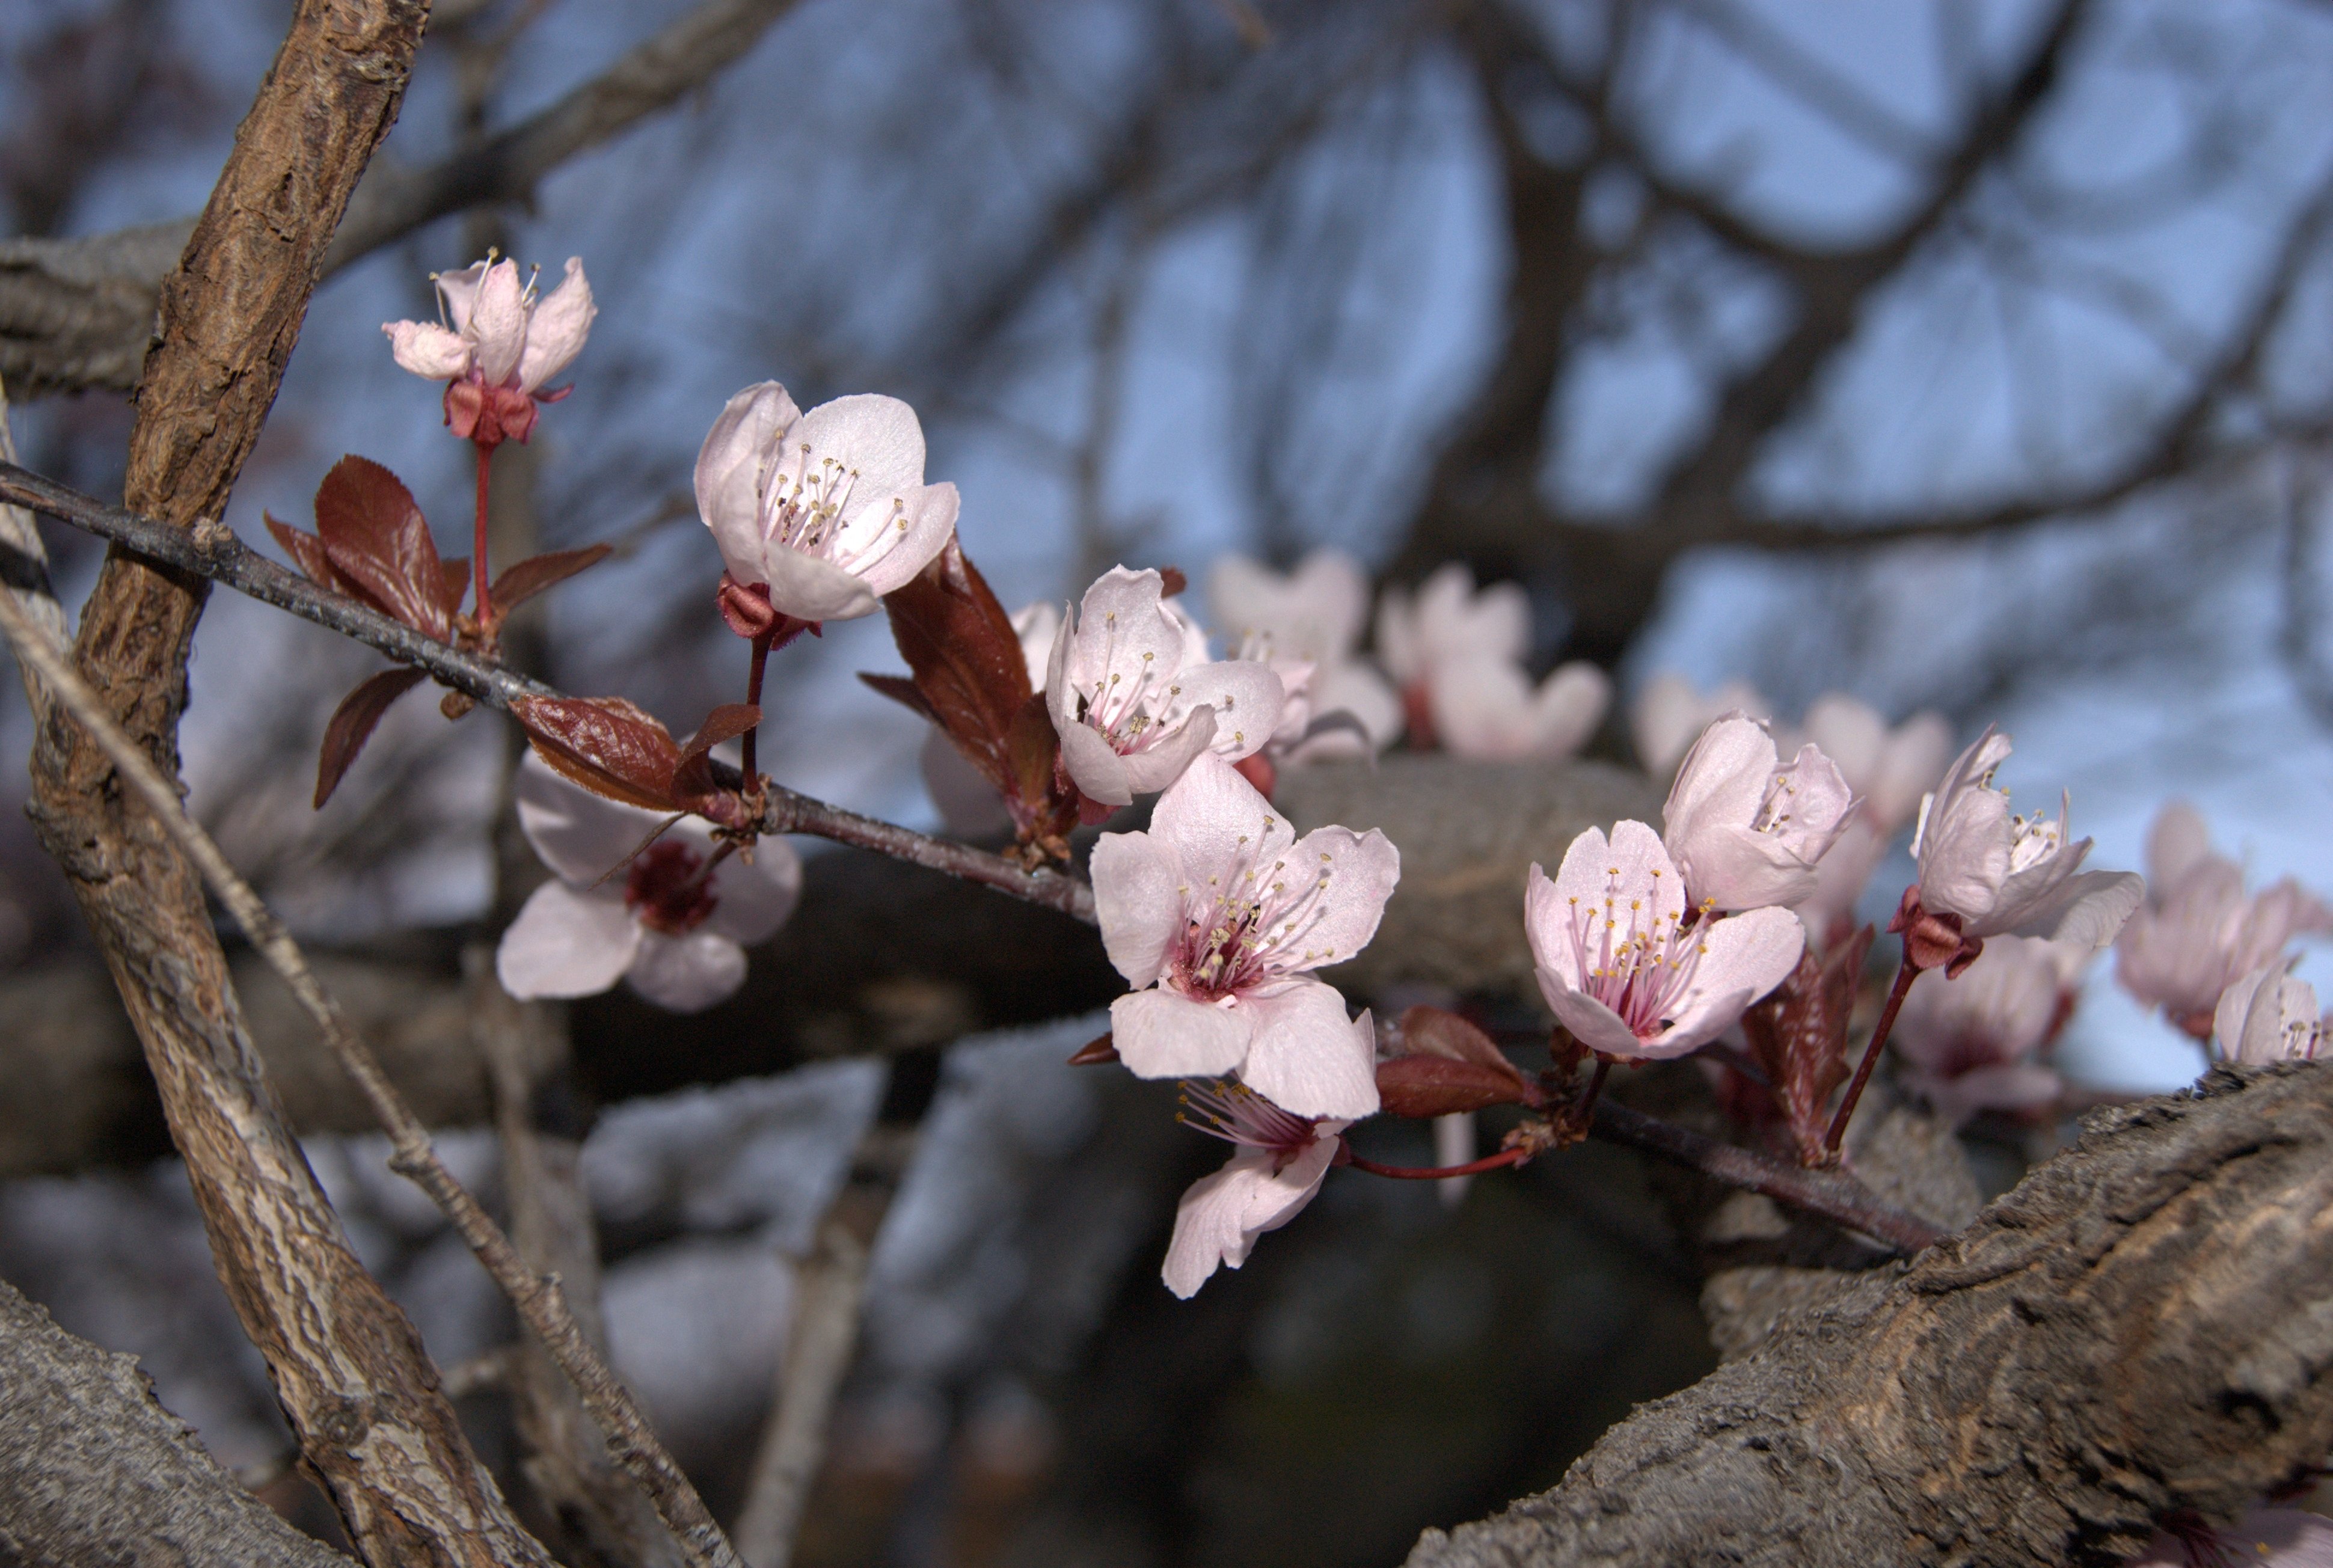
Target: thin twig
539, 1300
213, 551
1829, 1194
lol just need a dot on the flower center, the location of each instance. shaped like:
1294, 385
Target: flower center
805, 511
667, 888
2031, 840
1638, 962
1238, 936
1227, 1109
1127, 712
1775, 811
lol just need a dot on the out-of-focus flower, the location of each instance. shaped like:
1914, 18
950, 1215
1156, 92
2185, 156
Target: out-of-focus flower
675, 922
1281, 1159
1448, 622
497, 345
1134, 700
1620, 966
1841, 877
2197, 932
828, 510
1745, 831
1218, 916
1969, 1043
1313, 615
1485, 709
2262, 1538
1889, 769
1668, 713
2267, 1016
1995, 874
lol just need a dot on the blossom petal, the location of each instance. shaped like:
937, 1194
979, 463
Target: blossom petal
1162, 1034
2008, 1086
879, 437
1735, 867
460, 292
2087, 910
737, 451
2176, 843
1305, 1054
1137, 902
1246, 697
1481, 707
1569, 705
1157, 765
1633, 858
1221, 1216
581, 836
556, 329
1909, 767
1121, 631
1359, 871
566, 943
686, 974
810, 588
1094, 767
1851, 734
1743, 958
1722, 780
428, 349
1352, 687
752, 901
1217, 820
1591, 1022
499, 322
930, 522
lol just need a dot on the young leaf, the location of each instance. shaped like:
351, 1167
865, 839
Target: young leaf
901, 690
604, 744
457, 585
964, 659
378, 538
1798, 1035
1437, 1032
522, 582
352, 722
1438, 1085
1100, 1051
692, 779
307, 552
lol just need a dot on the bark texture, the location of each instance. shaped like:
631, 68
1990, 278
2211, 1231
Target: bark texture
93, 1470
359, 1392
2144, 1324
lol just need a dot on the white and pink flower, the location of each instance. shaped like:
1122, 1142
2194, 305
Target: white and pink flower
1670, 711
1996, 874
675, 922
1311, 616
1622, 967
1218, 916
2198, 931
827, 511
1888, 769
496, 345
1970, 1043
2263, 1538
1133, 698
1745, 829
2267, 1016
1457, 656
1281, 1159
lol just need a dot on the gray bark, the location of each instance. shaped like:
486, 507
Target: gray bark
93, 1471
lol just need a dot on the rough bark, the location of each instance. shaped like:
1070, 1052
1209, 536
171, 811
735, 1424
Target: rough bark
358, 1389
2142, 1325
93, 1470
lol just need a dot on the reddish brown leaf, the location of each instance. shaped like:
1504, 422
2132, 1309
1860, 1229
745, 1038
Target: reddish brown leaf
964, 659
523, 581
728, 722
378, 538
307, 552
901, 690
1439, 1085
1437, 1032
352, 722
457, 586
692, 779
1172, 582
1798, 1035
1097, 1051
604, 744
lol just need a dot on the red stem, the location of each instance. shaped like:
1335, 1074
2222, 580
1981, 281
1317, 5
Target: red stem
1436, 1172
1587, 1106
753, 697
1906, 973
478, 548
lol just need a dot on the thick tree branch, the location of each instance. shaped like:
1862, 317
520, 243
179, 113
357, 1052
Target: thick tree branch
2140, 1327
93, 1470
354, 1382
77, 313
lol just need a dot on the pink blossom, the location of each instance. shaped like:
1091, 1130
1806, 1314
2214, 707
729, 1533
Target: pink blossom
497, 345
1217, 914
1968, 1043
1668, 713
1889, 769
2197, 932
674, 923
1133, 698
1281, 1159
1997, 874
829, 509
1620, 965
1485, 707
2262, 1538
1447, 619
1746, 831
1313, 615
2267, 1016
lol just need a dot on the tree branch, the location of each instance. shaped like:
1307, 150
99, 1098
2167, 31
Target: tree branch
2140, 1327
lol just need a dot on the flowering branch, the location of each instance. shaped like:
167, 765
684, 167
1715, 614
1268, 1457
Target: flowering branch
213, 551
